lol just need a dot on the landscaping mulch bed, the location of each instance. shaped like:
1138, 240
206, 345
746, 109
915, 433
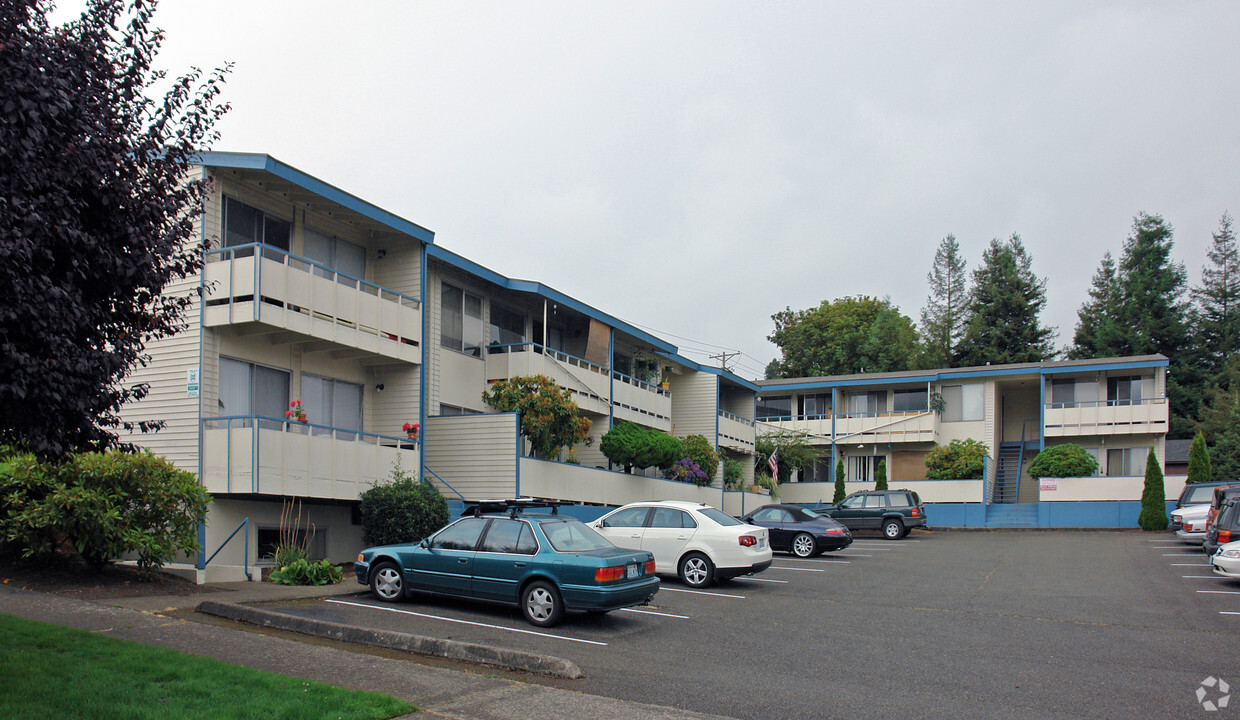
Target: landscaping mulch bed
74, 579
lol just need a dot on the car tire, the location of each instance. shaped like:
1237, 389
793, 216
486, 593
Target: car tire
893, 529
803, 545
386, 582
541, 604
696, 570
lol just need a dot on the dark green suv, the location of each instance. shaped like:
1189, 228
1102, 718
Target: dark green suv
895, 512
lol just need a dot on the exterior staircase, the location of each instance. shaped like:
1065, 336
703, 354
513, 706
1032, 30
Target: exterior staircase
1012, 515
1007, 473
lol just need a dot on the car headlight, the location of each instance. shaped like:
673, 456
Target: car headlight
1232, 553
1176, 518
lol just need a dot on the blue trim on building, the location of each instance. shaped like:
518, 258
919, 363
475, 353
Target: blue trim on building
1105, 514
421, 446
674, 357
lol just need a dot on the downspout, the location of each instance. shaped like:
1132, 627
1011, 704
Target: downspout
202, 306
611, 381
835, 409
421, 445
1041, 413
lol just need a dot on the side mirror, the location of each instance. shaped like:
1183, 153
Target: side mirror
426, 542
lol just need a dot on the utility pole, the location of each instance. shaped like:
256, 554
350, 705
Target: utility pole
723, 359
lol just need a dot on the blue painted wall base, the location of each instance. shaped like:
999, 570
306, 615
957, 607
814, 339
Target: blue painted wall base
1079, 514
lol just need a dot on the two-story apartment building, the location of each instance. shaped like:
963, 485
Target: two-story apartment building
326, 324
1115, 408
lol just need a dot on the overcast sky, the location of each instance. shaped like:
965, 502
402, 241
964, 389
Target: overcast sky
694, 167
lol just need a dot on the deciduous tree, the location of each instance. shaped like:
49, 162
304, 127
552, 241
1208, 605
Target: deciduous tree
848, 335
549, 418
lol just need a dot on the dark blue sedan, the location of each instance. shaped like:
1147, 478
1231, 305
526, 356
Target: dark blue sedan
543, 563
802, 532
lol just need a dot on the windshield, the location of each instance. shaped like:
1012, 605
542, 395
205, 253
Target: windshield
811, 514
570, 535
720, 517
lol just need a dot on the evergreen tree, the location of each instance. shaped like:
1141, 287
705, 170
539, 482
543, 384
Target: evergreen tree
1225, 453
1154, 497
944, 318
1222, 400
1005, 301
1097, 332
840, 493
880, 476
1218, 301
1199, 460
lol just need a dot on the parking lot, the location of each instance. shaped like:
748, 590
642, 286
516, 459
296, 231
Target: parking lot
941, 624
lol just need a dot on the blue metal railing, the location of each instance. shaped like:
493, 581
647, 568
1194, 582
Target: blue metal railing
445, 483
1108, 403
244, 524
577, 362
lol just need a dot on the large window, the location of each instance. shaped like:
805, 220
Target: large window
247, 389
915, 400
816, 405
779, 406
507, 327
334, 253
964, 403
1124, 390
334, 403
1126, 462
863, 467
460, 320
245, 224
871, 402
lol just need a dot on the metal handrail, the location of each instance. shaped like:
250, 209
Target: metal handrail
244, 524
579, 362
445, 483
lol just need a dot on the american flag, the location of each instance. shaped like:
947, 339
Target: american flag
773, 462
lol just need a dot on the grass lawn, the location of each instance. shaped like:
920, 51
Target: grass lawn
47, 671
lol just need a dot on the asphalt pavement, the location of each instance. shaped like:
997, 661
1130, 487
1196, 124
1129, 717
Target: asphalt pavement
436, 691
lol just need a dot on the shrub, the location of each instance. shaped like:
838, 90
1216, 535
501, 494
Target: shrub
1153, 497
303, 572
688, 471
840, 493
766, 481
698, 449
401, 511
102, 505
1060, 461
880, 476
958, 460
549, 417
1199, 470
636, 446
733, 474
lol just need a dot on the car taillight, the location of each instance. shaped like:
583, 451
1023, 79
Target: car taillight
609, 574
914, 512
1224, 536
650, 567
748, 540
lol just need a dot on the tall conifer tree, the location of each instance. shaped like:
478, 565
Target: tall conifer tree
1005, 302
944, 318
1217, 333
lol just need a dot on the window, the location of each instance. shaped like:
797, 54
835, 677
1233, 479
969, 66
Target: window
898, 500
463, 535
460, 320
244, 224
509, 536
507, 327
773, 515
1063, 393
816, 405
1126, 462
870, 402
875, 501
249, 390
315, 542
862, 467
963, 403
671, 518
572, 536
779, 406
336, 254
631, 517
1124, 390
719, 516
916, 400
454, 410
334, 403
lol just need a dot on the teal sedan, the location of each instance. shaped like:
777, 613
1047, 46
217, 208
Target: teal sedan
546, 564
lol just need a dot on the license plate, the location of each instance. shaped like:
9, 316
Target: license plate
761, 543
631, 571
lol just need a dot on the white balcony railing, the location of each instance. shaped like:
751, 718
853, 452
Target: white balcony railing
736, 432
1107, 417
269, 456
260, 283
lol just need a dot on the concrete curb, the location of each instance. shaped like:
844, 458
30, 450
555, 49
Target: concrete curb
541, 664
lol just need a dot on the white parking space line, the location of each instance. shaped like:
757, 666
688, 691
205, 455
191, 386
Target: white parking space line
785, 582
652, 612
824, 561
855, 555
1220, 592
1190, 564
1226, 612
466, 622
699, 592
1180, 554
1170, 547
780, 567
1203, 577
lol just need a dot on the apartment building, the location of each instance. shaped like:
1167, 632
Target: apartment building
1115, 408
326, 324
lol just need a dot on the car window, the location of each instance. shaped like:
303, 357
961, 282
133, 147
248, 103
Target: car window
854, 501
504, 536
810, 514
767, 515
527, 544
461, 535
671, 518
628, 517
572, 536
898, 500
875, 501
720, 517
1197, 495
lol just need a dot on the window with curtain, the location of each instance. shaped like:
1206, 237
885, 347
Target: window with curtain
245, 224
336, 254
964, 403
1126, 462
248, 389
815, 405
869, 402
460, 320
1124, 390
334, 403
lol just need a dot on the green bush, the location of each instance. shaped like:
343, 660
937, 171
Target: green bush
733, 474
636, 446
766, 481
303, 572
698, 449
102, 505
401, 511
958, 460
1153, 497
840, 492
880, 476
1061, 461
1199, 469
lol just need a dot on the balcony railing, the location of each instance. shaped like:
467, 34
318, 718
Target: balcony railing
261, 283
1106, 416
254, 454
736, 432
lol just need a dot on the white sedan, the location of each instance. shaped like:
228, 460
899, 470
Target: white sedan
699, 543
1226, 561
1192, 522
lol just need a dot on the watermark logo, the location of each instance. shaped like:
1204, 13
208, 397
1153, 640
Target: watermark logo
1213, 694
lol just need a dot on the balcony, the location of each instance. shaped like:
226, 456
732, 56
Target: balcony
912, 426
1107, 417
590, 384
736, 432
270, 456
265, 285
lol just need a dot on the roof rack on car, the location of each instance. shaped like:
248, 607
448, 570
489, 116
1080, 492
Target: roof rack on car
513, 506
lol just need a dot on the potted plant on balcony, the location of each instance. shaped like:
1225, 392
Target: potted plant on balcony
295, 411
412, 429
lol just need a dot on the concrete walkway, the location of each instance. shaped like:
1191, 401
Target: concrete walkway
438, 692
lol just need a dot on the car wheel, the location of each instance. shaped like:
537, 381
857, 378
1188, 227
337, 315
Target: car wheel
893, 529
803, 545
540, 602
386, 582
696, 570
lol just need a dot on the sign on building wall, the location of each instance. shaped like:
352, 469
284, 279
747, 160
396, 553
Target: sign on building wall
191, 382
1050, 484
